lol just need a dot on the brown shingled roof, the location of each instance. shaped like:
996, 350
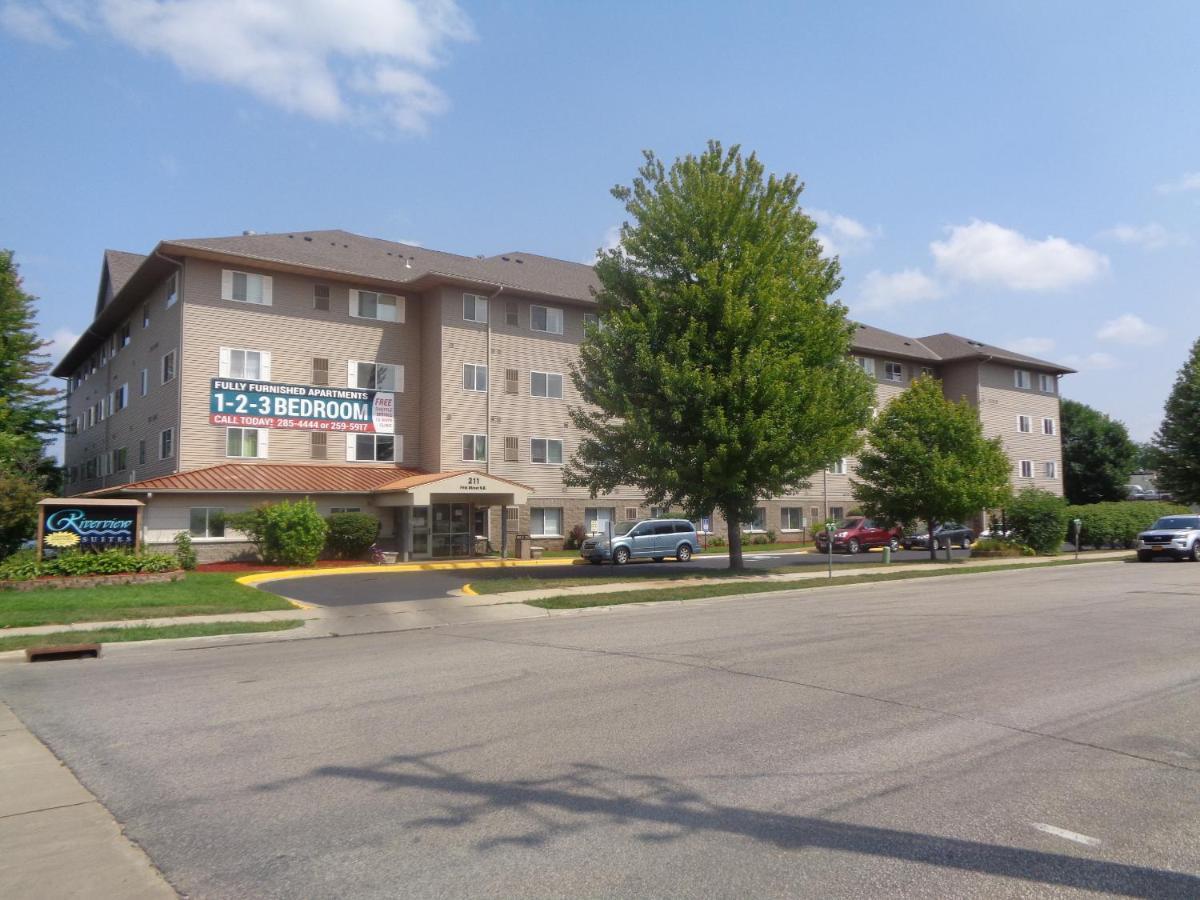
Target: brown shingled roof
952, 347
876, 340
273, 478
121, 266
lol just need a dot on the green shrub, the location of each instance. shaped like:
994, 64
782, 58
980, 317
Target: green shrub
1116, 523
351, 534
185, 553
716, 541
25, 566
1038, 519
997, 547
20, 566
575, 538
285, 533
251, 523
771, 536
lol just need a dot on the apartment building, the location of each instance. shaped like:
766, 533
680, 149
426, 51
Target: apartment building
426, 388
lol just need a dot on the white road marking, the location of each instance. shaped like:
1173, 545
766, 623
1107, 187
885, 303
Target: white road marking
1069, 835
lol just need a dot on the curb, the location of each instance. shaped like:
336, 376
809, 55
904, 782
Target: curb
263, 577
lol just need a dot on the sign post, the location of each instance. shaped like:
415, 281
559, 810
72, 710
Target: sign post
1078, 523
829, 540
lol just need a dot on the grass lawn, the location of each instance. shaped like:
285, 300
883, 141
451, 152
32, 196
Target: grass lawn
140, 633
700, 591
198, 594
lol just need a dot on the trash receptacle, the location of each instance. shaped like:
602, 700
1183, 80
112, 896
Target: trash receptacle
524, 545
887, 555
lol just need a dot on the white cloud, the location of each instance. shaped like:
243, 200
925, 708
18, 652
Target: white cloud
1031, 346
1151, 236
1131, 329
841, 235
1189, 182
986, 252
334, 60
1093, 362
610, 241
60, 342
882, 290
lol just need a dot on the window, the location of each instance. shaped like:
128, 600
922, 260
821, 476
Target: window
791, 518
545, 384
893, 371
121, 459
124, 336
1026, 468
474, 447
836, 514
141, 453
631, 513
597, 519
758, 522
168, 367
1051, 469
373, 448
318, 445
375, 376
145, 382
166, 444
334, 510
866, 364
251, 364
511, 378
545, 522
512, 314
373, 305
121, 397
838, 468
91, 417
1046, 383
510, 449
320, 370
926, 372
146, 315
814, 514
545, 450
321, 297
207, 522
546, 318
245, 287
1022, 378
475, 308
173, 289
475, 377
1048, 426
248, 443
590, 320
1024, 424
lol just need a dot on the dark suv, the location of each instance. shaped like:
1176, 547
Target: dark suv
859, 533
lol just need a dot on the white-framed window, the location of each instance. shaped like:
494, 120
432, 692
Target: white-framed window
124, 336
758, 521
866, 363
838, 467
1024, 424
246, 443
546, 450
246, 287
512, 314
168, 367
91, 416
374, 305
598, 519
141, 453
375, 376
1048, 426
121, 397
474, 447
590, 320
254, 365
145, 382
475, 377
475, 308
548, 319
791, 518
172, 290
1026, 468
927, 372
545, 521
545, 384
166, 443
145, 315
893, 371
206, 522
1022, 378
321, 297
1051, 469
374, 447
1047, 383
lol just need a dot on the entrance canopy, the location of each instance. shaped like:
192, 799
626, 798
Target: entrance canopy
470, 486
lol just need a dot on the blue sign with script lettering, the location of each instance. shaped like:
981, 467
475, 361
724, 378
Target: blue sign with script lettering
85, 525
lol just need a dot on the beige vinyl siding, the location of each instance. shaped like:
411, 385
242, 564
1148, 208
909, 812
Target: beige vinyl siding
999, 406
144, 417
428, 454
961, 380
170, 514
293, 333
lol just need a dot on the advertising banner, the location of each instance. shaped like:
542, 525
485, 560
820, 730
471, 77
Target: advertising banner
84, 526
300, 407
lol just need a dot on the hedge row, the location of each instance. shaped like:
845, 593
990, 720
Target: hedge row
1117, 523
24, 566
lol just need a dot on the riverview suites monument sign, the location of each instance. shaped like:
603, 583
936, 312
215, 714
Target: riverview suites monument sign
85, 524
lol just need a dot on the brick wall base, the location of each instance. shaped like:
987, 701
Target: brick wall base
85, 581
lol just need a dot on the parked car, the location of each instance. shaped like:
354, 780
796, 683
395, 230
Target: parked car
654, 539
945, 535
859, 533
1177, 537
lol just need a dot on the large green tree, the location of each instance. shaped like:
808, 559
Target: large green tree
1098, 455
1177, 442
927, 459
28, 411
720, 372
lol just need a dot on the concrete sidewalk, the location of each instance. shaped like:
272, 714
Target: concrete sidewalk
56, 839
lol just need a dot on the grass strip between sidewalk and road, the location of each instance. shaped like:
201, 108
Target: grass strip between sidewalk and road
703, 591
197, 594
141, 633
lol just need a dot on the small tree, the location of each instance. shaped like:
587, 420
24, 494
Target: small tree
927, 458
721, 372
1098, 455
1177, 442
351, 534
1039, 520
285, 533
185, 551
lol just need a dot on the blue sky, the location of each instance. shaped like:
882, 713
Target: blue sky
1026, 173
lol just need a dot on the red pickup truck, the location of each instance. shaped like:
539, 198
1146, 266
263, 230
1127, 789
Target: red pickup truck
859, 533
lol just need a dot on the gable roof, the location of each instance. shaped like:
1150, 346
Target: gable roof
876, 340
116, 270
951, 347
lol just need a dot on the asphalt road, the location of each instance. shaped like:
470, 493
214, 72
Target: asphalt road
389, 587
1035, 735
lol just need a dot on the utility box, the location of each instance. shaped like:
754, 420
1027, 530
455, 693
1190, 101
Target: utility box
524, 546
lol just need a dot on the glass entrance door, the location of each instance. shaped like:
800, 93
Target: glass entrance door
451, 529
420, 531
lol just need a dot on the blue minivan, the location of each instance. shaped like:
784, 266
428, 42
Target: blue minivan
654, 539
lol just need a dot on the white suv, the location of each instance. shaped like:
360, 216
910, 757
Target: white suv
1174, 536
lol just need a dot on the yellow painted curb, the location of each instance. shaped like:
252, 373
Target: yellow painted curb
469, 591
261, 577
